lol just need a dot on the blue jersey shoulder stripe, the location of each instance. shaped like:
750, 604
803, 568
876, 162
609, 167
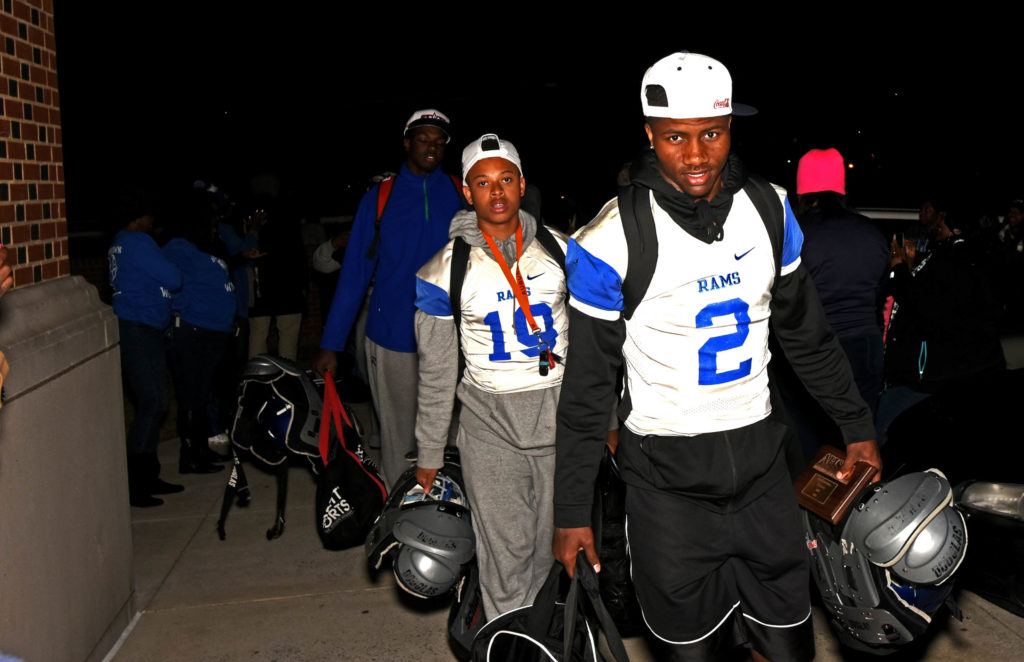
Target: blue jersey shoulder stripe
591, 280
793, 239
432, 300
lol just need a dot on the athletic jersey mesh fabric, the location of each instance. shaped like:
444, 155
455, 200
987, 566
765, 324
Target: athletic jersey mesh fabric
696, 349
501, 352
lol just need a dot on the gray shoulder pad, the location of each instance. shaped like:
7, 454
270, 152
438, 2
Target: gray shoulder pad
886, 523
261, 368
440, 528
937, 551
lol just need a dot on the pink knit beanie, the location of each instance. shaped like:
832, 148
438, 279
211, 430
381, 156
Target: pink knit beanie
821, 170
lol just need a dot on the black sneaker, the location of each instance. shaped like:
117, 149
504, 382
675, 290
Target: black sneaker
144, 501
158, 486
198, 467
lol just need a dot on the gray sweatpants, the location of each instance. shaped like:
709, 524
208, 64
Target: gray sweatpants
393, 377
511, 496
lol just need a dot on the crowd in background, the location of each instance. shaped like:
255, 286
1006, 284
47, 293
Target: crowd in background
923, 303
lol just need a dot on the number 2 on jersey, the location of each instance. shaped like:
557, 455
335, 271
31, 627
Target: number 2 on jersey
708, 353
523, 335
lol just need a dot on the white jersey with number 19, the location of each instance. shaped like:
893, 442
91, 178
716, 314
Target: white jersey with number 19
500, 350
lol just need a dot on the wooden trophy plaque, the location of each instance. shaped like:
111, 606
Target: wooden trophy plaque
819, 491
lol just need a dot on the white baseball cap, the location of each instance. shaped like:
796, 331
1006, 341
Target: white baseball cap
685, 85
488, 146
429, 117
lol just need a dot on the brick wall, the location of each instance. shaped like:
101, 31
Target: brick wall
33, 224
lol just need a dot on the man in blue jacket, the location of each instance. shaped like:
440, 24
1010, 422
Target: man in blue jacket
412, 227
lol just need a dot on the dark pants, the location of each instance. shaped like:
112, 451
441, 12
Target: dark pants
195, 354
225, 379
866, 355
723, 571
144, 374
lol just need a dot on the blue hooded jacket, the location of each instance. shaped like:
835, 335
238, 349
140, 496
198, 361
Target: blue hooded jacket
413, 227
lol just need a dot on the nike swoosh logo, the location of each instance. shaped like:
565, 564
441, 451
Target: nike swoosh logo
742, 255
532, 277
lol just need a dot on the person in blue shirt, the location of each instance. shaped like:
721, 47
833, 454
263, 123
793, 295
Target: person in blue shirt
413, 226
204, 318
142, 280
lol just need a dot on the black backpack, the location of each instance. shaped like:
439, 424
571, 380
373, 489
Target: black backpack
642, 237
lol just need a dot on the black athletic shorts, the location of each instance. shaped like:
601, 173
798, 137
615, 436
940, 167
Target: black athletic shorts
713, 576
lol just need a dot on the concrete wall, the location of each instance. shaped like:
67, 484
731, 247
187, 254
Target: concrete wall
66, 583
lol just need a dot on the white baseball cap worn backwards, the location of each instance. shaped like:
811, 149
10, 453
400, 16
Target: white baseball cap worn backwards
687, 85
489, 146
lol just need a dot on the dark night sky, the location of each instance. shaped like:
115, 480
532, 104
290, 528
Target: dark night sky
170, 92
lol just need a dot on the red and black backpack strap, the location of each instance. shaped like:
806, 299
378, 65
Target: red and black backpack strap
383, 195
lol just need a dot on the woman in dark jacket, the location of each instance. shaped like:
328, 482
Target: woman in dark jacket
204, 318
848, 259
280, 278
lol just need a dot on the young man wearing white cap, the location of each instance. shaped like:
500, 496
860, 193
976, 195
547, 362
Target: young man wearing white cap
512, 327
388, 250
712, 523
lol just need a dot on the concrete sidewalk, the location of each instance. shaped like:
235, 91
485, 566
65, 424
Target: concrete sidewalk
246, 598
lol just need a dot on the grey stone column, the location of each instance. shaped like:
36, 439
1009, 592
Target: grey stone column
66, 581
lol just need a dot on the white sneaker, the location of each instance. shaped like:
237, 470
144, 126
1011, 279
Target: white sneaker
220, 443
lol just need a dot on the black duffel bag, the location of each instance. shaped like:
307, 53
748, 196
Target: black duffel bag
350, 491
553, 629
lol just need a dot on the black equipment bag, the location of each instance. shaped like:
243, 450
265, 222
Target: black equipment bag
350, 491
551, 629
466, 616
277, 418
278, 410
609, 520
282, 414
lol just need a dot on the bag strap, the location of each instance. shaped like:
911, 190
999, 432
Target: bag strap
641, 247
334, 412
766, 201
642, 237
550, 244
383, 195
460, 260
588, 581
569, 618
542, 612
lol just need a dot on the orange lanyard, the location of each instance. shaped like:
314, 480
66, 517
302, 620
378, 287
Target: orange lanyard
517, 284
545, 355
